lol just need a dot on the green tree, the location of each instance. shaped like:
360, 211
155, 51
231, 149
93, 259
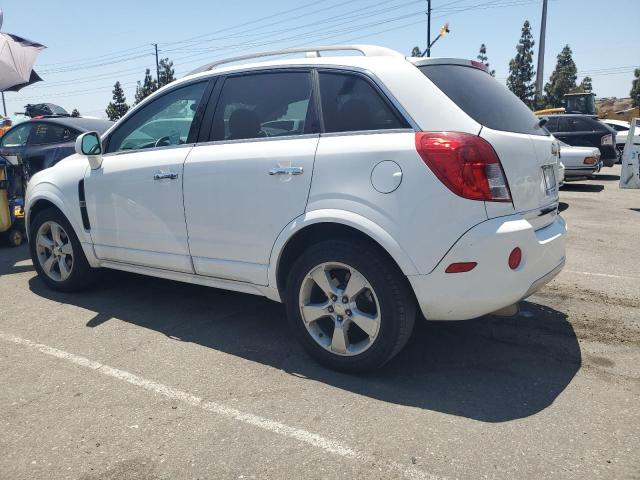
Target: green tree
118, 107
562, 80
521, 79
635, 88
146, 88
75, 113
167, 73
586, 84
482, 56
416, 52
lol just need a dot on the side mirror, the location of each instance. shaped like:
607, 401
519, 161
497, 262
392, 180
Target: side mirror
89, 145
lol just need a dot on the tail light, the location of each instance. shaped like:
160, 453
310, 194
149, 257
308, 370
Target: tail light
590, 161
465, 163
607, 139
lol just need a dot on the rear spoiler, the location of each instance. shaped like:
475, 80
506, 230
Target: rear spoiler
422, 61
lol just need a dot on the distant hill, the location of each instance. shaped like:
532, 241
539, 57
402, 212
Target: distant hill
613, 104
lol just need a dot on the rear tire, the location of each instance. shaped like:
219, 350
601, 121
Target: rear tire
371, 316
57, 254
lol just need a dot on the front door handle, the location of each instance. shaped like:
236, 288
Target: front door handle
163, 176
286, 171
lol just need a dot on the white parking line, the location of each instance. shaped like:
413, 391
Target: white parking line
326, 444
606, 275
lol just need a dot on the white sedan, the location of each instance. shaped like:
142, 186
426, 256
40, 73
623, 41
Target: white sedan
579, 162
622, 129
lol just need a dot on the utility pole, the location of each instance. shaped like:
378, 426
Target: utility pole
4, 105
428, 53
157, 64
540, 72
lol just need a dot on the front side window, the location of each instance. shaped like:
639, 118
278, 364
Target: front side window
263, 105
166, 121
351, 104
16, 137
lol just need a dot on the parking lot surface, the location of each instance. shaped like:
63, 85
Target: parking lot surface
141, 378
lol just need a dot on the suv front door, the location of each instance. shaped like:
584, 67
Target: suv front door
252, 178
134, 200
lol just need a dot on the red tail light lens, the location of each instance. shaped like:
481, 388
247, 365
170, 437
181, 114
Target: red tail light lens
465, 163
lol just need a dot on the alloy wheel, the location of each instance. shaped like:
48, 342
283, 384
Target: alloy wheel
54, 250
340, 309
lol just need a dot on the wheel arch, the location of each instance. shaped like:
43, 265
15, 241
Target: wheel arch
318, 225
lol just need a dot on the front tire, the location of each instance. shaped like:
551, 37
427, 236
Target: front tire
349, 305
57, 254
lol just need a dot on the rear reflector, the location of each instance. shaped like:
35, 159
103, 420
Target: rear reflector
465, 163
461, 267
515, 257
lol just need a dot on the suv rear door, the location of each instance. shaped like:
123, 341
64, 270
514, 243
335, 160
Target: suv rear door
252, 177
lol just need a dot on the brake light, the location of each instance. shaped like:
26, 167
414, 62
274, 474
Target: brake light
479, 65
607, 139
465, 163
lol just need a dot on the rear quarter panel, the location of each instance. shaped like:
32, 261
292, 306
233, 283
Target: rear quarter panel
423, 216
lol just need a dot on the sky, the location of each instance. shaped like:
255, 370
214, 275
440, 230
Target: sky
91, 45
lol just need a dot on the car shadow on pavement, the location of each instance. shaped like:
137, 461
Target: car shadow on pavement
607, 177
15, 259
489, 369
582, 187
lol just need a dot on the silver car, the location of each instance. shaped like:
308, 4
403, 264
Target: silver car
579, 162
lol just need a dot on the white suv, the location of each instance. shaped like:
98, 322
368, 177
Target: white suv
352, 188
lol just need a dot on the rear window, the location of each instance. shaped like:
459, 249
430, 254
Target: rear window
483, 98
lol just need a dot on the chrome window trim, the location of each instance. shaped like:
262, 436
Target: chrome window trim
367, 132
152, 149
258, 139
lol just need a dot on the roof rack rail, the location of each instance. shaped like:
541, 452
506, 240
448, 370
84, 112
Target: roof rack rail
311, 52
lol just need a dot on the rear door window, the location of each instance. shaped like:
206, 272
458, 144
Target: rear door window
350, 104
262, 105
483, 98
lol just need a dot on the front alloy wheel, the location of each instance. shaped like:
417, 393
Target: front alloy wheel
54, 251
340, 309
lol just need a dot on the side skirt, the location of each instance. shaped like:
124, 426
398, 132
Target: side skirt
195, 279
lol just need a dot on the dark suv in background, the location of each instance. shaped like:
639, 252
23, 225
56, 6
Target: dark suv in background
584, 131
43, 142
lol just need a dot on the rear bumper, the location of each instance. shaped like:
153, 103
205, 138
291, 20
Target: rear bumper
582, 171
492, 284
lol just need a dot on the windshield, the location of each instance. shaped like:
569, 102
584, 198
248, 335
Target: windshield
484, 99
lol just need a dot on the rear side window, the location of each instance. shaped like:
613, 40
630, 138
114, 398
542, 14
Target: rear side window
483, 98
576, 124
264, 105
351, 104
48, 133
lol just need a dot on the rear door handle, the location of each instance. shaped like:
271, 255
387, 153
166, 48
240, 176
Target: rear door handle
286, 171
163, 176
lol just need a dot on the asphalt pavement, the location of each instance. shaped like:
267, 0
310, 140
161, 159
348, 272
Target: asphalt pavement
142, 378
